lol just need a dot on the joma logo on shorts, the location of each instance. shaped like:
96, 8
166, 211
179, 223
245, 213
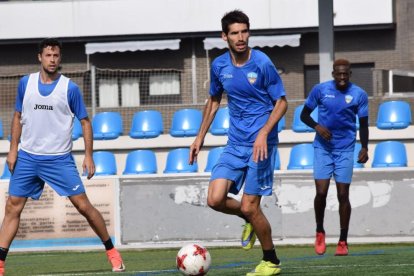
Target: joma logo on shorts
43, 106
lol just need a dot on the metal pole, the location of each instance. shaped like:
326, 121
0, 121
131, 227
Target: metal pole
390, 83
326, 39
93, 89
193, 72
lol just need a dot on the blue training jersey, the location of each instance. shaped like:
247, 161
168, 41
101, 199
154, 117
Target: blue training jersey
337, 112
252, 91
75, 102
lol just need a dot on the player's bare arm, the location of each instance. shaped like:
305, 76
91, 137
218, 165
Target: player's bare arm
209, 112
260, 144
16, 131
324, 132
88, 164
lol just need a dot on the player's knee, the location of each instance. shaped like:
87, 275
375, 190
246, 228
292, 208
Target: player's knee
248, 210
321, 195
215, 203
343, 198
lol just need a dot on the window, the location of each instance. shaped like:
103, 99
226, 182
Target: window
128, 88
108, 92
130, 91
164, 84
361, 76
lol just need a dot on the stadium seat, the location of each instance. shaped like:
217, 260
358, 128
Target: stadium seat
77, 129
1, 129
107, 125
141, 162
221, 123
146, 124
390, 154
212, 158
282, 124
177, 162
298, 125
6, 173
357, 122
105, 163
301, 157
393, 115
186, 123
356, 153
277, 159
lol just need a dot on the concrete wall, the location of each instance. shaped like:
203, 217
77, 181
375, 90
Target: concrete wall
171, 208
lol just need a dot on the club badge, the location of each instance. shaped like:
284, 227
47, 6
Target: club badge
252, 77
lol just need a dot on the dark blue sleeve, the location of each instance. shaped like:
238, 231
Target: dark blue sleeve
75, 99
21, 89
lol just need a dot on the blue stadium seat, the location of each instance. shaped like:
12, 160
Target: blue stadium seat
277, 159
105, 163
1, 129
177, 162
394, 115
390, 154
6, 173
146, 124
298, 125
186, 123
357, 122
356, 153
301, 157
107, 125
77, 129
282, 124
212, 158
141, 162
221, 123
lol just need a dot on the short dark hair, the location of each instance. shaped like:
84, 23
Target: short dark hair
236, 16
340, 62
49, 42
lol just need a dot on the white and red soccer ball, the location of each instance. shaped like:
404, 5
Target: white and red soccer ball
193, 260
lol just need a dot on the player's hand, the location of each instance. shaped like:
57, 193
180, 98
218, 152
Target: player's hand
194, 150
88, 166
323, 132
260, 147
363, 155
11, 160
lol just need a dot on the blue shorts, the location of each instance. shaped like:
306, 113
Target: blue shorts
236, 164
340, 164
29, 177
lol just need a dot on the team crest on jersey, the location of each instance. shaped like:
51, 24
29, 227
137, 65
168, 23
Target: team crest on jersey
252, 77
348, 99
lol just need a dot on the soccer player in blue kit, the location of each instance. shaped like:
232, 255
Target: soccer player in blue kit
338, 102
46, 104
256, 101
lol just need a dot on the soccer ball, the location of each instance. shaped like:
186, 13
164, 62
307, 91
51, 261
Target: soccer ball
193, 260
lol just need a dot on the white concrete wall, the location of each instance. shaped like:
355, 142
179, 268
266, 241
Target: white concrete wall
80, 18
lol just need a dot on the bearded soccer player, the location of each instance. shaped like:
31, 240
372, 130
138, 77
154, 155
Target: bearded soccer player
46, 104
256, 101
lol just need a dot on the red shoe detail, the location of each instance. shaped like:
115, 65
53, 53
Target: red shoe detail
341, 249
320, 245
115, 260
2, 270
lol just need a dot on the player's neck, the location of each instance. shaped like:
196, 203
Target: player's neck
46, 77
239, 59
